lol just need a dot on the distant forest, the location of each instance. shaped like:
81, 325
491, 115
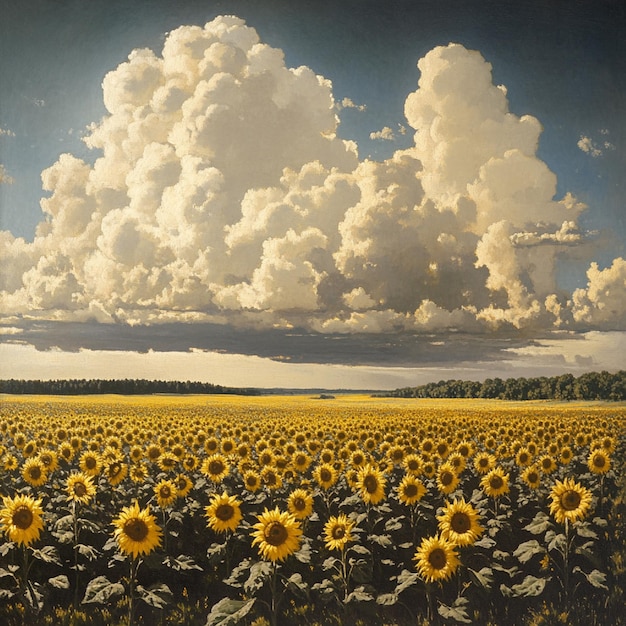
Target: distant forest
589, 386
124, 387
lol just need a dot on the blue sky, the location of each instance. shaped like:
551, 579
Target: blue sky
502, 277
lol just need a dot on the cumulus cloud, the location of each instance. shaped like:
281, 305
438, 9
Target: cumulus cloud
222, 193
385, 133
5, 177
6, 132
596, 148
348, 103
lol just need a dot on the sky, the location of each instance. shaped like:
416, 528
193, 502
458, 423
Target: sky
348, 194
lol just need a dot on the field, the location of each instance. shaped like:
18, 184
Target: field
299, 510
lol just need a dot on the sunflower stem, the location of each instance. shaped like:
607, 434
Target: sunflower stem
134, 566
76, 532
566, 565
274, 599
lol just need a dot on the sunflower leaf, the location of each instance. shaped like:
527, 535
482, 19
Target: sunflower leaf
457, 611
529, 587
297, 586
595, 577
525, 551
540, 523
158, 595
387, 599
259, 572
229, 612
483, 577
60, 582
181, 562
583, 529
405, 580
100, 590
48, 554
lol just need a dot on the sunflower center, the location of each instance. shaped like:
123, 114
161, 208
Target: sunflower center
22, 517
165, 491
216, 467
496, 482
79, 489
114, 469
35, 472
437, 558
523, 457
410, 490
325, 475
446, 478
460, 522
90, 462
276, 534
301, 460
136, 529
224, 512
533, 477
339, 532
599, 461
370, 483
299, 504
413, 465
570, 500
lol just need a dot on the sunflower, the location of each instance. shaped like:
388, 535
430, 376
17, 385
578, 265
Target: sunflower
599, 461
138, 472
410, 490
216, 467
165, 493
49, 459
300, 503
66, 452
223, 513
183, 485
325, 475
116, 472
566, 455
300, 461
570, 501
484, 462
457, 461
21, 519
136, 531
30, 449
412, 464
495, 483
523, 458
447, 479
547, 464
90, 463
34, 472
190, 462
80, 487
168, 461
270, 478
358, 458
371, 484
9, 462
436, 559
251, 481
459, 523
338, 532
277, 534
532, 476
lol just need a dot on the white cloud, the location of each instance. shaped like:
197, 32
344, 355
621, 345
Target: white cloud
347, 103
589, 147
223, 192
386, 134
5, 177
6, 132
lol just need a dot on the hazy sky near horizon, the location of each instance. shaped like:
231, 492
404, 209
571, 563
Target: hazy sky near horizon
312, 194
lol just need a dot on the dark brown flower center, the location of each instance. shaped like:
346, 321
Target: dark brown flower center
299, 504
370, 483
22, 517
80, 489
437, 558
496, 482
460, 522
533, 477
276, 534
136, 529
446, 478
599, 460
326, 475
570, 500
338, 532
90, 462
523, 457
413, 465
410, 490
216, 467
165, 492
35, 472
224, 512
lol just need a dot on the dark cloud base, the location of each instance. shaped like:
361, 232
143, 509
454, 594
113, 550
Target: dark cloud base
294, 346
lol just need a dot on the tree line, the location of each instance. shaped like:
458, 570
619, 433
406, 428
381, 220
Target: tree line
590, 386
123, 387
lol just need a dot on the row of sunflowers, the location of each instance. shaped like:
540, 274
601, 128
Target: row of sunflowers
291, 510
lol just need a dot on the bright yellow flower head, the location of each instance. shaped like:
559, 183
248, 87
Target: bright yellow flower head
532, 476
599, 461
216, 468
495, 483
436, 559
410, 490
447, 478
371, 484
459, 523
34, 473
300, 503
21, 519
80, 487
165, 492
136, 531
223, 513
570, 501
338, 532
277, 534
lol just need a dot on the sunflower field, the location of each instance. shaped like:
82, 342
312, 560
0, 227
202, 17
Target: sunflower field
212, 510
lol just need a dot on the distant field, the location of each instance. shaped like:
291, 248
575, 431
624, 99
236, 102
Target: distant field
295, 509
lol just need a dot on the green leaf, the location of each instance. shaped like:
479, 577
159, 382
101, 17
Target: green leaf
48, 554
485, 542
382, 540
600, 521
555, 541
595, 577
216, 550
239, 570
100, 590
358, 549
405, 580
297, 586
359, 595
88, 551
483, 577
394, 523
181, 562
387, 599
329, 563
60, 582
259, 572
304, 553
540, 523
530, 587
525, 551
158, 595
229, 612
457, 611
584, 530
